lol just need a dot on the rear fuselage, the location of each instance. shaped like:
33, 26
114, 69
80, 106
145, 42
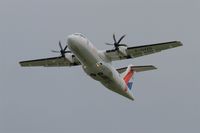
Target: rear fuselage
97, 66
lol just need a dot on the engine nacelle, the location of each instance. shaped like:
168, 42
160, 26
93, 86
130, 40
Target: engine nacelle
71, 58
122, 50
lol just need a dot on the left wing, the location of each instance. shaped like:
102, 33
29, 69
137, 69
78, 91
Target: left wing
138, 51
51, 62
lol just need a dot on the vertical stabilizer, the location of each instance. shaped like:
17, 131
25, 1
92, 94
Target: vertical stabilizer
127, 73
128, 77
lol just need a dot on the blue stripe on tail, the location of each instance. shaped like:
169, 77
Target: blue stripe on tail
130, 84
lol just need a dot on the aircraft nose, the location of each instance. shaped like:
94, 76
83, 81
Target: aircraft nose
71, 39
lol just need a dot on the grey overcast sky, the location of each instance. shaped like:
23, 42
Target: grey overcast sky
49, 100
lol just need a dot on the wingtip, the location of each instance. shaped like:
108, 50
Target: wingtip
155, 68
20, 63
180, 43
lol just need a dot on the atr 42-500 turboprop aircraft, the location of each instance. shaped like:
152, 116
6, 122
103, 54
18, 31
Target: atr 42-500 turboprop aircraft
97, 64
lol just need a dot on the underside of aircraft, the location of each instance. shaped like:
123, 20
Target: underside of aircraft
97, 63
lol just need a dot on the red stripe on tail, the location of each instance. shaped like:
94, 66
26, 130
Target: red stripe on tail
128, 76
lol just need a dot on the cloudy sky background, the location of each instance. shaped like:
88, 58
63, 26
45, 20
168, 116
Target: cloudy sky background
48, 100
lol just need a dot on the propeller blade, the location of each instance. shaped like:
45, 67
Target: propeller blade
65, 47
114, 38
121, 39
62, 51
54, 51
60, 45
117, 43
109, 44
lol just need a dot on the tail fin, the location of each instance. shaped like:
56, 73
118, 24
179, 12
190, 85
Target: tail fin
128, 72
127, 76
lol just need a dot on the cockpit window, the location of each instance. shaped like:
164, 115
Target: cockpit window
79, 34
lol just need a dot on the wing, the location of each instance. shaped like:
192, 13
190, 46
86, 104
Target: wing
51, 62
138, 51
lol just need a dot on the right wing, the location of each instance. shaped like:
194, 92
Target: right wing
138, 51
51, 62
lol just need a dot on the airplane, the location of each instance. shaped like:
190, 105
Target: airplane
97, 63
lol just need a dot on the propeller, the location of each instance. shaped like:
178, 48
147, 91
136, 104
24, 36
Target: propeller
62, 50
117, 43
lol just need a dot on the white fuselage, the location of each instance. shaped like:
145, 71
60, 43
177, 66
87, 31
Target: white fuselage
96, 65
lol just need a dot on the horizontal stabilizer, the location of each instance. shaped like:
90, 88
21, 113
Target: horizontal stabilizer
137, 68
